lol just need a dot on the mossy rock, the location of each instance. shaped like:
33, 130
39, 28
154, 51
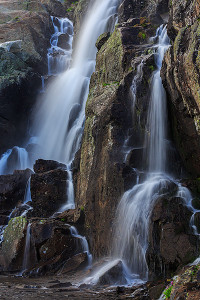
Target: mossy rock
13, 237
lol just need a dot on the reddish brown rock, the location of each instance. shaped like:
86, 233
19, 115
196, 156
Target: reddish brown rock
78, 261
48, 192
171, 242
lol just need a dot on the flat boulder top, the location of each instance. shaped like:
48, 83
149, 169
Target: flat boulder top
42, 166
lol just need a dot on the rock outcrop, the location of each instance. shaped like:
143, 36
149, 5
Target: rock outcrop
180, 74
171, 241
101, 172
48, 188
25, 31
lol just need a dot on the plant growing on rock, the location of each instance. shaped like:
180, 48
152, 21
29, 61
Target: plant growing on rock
168, 290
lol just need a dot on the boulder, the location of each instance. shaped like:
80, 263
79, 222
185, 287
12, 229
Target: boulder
49, 188
42, 166
77, 262
63, 41
54, 245
113, 276
171, 242
13, 244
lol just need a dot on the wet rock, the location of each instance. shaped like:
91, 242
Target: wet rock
156, 291
113, 276
12, 189
42, 166
48, 189
54, 245
197, 221
196, 203
63, 40
101, 172
77, 262
13, 244
60, 285
73, 216
120, 289
171, 242
102, 39
12, 46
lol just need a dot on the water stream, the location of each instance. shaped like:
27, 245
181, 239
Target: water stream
84, 244
59, 123
130, 240
60, 111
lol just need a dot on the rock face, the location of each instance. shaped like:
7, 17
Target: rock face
101, 171
25, 31
180, 74
171, 242
29, 23
48, 188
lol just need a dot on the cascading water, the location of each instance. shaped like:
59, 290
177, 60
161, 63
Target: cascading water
14, 159
60, 112
135, 207
26, 259
60, 117
59, 57
134, 210
84, 244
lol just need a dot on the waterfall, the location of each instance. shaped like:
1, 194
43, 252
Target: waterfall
59, 58
84, 244
134, 210
26, 259
60, 114
157, 115
130, 239
14, 159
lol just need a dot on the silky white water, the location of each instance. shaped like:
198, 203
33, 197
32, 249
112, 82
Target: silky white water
84, 244
60, 116
60, 112
26, 259
130, 240
59, 59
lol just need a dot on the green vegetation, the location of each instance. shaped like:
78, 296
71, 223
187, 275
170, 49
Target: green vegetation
142, 35
72, 7
168, 290
151, 67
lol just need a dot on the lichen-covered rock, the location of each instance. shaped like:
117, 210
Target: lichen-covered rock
180, 74
13, 245
184, 285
